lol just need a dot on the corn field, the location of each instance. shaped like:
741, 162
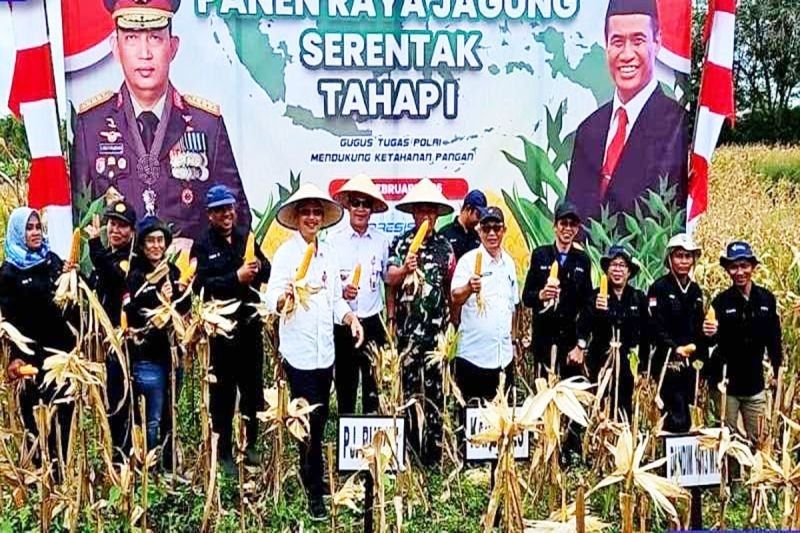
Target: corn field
617, 485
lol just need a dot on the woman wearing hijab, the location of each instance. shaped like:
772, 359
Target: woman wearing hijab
27, 286
151, 348
306, 333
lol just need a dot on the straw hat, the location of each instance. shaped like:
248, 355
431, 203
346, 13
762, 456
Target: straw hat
287, 214
424, 192
361, 184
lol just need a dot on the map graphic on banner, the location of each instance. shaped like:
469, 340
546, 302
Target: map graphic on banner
471, 93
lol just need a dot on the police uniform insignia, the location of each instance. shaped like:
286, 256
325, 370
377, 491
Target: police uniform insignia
202, 103
100, 165
110, 148
188, 159
187, 196
111, 136
122, 164
120, 208
95, 101
111, 123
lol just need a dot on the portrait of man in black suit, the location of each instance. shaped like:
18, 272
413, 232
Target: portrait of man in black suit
641, 136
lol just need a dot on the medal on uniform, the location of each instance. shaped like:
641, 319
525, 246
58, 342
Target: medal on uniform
122, 164
187, 196
100, 165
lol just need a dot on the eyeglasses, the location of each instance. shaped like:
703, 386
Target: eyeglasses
618, 265
492, 228
360, 202
311, 212
568, 222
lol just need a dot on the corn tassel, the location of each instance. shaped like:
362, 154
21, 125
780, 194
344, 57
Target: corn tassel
604, 285
302, 270
419, 237
250, 249
75, 247
356, 275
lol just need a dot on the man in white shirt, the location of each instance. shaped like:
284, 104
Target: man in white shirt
306, 331
641, 136
359, 244
489, 300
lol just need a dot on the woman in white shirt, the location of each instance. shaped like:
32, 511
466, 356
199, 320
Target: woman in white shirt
306, 332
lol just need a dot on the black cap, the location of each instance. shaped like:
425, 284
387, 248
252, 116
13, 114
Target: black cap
632, 7
121, 210
151, 224
493, 214
475, 199
566, 209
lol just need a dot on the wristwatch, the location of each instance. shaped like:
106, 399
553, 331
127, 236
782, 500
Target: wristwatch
582, 344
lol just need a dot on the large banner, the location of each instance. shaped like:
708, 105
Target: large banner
518, 98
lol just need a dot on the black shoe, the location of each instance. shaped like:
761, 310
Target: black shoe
317, 509
228, 466
252, 457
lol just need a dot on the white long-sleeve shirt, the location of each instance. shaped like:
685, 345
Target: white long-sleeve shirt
306, 338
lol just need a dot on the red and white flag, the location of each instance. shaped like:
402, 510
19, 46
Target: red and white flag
715, 103
675, 19
33, 99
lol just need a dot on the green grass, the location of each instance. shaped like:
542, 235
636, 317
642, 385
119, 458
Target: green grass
780, 164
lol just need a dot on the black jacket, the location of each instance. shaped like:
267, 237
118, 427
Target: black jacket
26, 299
108, 276
747, 329
657, 147
628, 315
461, 239
217, 263
152, 344
557, 326
676, 319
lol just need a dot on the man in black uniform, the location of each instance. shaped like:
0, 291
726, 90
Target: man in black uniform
676, 331
110, 269
556, 302
461, 232
747, 325
237, 362
623, 311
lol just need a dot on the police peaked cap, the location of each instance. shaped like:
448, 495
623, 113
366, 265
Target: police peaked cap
142, 14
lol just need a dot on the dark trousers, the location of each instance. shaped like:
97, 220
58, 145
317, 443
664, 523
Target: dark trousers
352, 361
314, 386
238, 364
480, 383
118, 410
29, 397
677, 392
423, 384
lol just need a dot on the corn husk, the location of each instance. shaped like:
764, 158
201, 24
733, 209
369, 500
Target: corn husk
711, 315
9, 332
351, 494
294, 414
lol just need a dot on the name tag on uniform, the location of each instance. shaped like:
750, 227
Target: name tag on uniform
213, 256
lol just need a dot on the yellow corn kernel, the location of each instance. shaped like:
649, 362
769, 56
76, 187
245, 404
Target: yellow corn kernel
302, 270
250, 249
554, 270
603, 285
123, 320
75, 247
419, 237
478, 263
711, 316
356, 275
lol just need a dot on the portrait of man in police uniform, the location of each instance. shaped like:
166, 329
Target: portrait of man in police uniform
162, 150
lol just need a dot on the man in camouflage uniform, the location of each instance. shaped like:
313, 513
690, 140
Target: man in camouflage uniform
422, 284
160, 149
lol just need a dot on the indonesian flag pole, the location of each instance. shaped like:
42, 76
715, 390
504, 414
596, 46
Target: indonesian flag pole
715, 104
33, 99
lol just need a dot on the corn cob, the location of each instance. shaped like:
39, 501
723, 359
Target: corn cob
188, 273
250, 249
419, 237
603, 285
711, 316
478, 263
356, 275
302, 270
27, 370
182, 261
123, 320
553, 278
75, 247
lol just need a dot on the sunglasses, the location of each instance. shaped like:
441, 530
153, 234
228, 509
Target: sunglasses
361, 202
311, 212
492, 228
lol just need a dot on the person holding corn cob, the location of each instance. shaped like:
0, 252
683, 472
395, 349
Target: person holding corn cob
27, 286
743, 323
307, 292
226, 271
151, 283
110, 266
617, 313
485, 286
558, 285
421, 263
363, 254
675, 302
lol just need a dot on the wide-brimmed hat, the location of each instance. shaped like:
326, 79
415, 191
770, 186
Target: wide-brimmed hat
363, 185
424, 192
151, 224
737, 251
619, 251
287, 214
684, 241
